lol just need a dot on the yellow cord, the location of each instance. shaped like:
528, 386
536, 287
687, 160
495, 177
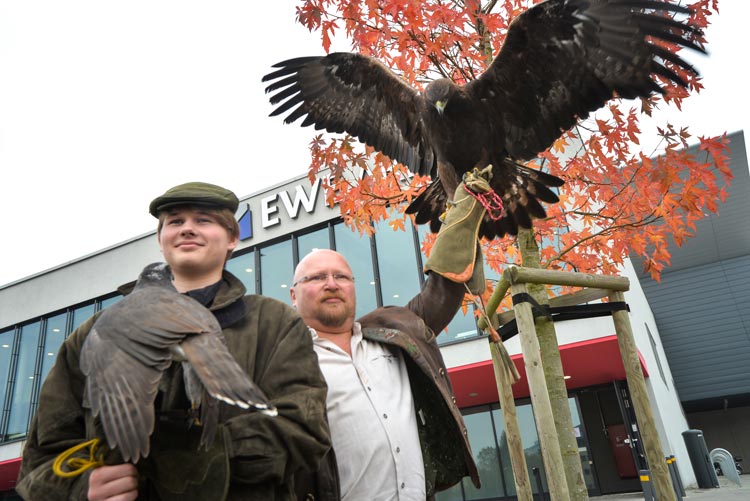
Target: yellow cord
78, 465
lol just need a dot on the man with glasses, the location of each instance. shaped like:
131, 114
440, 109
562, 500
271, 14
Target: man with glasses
397, 432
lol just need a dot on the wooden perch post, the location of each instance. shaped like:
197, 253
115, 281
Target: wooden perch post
505, 376
545, 421
510, 419
639, 396
598, 286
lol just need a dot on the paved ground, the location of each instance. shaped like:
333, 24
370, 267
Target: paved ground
728, 491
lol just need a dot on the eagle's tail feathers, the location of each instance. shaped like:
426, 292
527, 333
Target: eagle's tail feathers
429, 205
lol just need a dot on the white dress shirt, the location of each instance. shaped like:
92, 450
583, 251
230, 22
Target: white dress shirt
372, 419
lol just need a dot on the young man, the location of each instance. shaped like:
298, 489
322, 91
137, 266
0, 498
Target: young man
396, 430
253, 456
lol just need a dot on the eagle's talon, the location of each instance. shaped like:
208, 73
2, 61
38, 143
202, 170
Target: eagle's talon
478, 180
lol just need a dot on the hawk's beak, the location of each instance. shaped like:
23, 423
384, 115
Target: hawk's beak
440, 106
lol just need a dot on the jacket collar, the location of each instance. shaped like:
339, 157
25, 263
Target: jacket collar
230, 290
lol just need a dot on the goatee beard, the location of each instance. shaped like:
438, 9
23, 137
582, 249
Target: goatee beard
333, 319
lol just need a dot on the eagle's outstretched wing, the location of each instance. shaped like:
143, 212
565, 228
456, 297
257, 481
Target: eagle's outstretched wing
356, 94
563, 59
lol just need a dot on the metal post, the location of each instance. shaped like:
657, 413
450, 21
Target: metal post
538, 477
673, 475
648, 487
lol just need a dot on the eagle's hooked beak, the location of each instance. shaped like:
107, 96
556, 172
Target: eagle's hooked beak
440, 106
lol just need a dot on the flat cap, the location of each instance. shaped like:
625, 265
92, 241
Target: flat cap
195, 193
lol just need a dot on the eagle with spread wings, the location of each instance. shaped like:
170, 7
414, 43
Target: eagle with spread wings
561, 60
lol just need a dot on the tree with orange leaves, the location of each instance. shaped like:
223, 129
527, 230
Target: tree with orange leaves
617, 198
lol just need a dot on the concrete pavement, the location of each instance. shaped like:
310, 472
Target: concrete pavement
728, 491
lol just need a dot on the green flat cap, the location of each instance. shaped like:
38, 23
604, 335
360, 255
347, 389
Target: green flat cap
195, 193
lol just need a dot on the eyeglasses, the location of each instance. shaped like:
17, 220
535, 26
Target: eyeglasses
321, 278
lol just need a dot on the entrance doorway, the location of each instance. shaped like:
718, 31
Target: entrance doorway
613, 446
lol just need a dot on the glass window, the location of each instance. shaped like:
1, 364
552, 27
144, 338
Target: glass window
586, 459
54, 336
397, 264
310, 241
452, 494
505, 462
243, 267
530, 441
6, 348
106, 303
463, 326
356, 250
483, 445
80, 315
23, 382
276, 270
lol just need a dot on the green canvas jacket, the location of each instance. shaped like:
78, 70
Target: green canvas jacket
255, 457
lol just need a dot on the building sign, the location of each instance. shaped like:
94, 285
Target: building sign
283, 205
269, 206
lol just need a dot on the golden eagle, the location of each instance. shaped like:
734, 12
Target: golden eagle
561, 60
136, 339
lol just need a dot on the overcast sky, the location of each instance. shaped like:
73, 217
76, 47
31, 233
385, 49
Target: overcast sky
104, 105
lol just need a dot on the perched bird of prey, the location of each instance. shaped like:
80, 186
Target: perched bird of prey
135, 340
561, 60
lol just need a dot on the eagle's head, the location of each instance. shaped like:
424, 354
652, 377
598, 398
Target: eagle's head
439, 92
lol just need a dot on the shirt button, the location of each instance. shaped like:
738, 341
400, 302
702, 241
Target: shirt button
369, 389
385, 416
398, 449
403, 485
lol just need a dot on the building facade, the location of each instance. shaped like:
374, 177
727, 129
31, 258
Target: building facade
283, 223
701, 309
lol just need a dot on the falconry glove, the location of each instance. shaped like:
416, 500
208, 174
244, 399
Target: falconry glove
456, 254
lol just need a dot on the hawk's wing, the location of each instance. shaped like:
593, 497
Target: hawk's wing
563, 59
125, 354
148, 321
356, 94
220, 374
121, 390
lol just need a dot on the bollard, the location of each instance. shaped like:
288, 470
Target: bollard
670, 467
648, 486
679, 489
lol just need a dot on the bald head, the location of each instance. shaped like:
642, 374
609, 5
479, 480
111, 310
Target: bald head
323, 292
320, 258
